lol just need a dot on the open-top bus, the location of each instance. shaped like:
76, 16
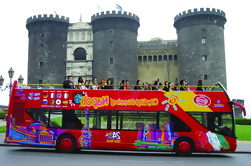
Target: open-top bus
71, 119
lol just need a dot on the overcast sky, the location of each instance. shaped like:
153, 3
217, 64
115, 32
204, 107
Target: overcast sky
156, 20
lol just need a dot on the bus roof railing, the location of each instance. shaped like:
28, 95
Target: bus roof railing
131, 87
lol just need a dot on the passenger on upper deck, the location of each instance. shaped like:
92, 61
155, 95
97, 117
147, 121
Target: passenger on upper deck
108, 84
68, 83
95, 84
183, 84
199, 88
80, 83
122, 87
170, 84
127, 83
138, 87
155, 85
87, 84
166, 86
145, 86
160, 86
103, 84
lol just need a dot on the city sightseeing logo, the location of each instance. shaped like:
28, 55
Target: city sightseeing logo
202, 100
172, 100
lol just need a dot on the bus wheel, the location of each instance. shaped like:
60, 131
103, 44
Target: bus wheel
66, 144
183, 147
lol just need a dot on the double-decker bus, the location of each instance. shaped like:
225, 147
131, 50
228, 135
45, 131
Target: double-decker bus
74, 119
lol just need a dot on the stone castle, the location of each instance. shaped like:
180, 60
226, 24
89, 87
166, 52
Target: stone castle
107, 47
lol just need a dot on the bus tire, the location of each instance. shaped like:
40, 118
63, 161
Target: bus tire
66, 144
184, 147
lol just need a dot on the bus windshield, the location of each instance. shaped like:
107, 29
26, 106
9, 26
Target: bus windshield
220, 123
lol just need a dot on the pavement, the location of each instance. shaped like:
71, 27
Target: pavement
2, 122
242, 146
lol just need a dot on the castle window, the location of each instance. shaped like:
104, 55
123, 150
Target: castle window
140, 58
111, 43
83, 36
111, 32
204, 57
77, 36
42, 35
170, 57
150, 58
145, 59
70, 37
155, 58
165, 57
203, 33
90, 36
160, 57
40, 81
80, 54
175, 57
41, 64
111, 61
205, 77
203, 40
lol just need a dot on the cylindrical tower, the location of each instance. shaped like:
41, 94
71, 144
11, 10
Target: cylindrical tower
201, 48
47, 49
115, 46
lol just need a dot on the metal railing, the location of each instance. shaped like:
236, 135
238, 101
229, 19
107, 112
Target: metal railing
119, 87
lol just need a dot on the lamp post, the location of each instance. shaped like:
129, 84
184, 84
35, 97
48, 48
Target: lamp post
1, 80
20, 79
11, 74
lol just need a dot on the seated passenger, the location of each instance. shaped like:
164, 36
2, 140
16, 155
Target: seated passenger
160, 86
199, 88
155, 85
138, 87
166, 87
182, 84
102, 84
95, 84
145, 86
122, 87
108, 84
170, 85
176, 87
126, 87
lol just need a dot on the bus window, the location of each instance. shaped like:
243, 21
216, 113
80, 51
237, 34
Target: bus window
132, 119
55, 118
200, 117
70, 120
39, 115
179, 125
115, 124
163, 117
92, 119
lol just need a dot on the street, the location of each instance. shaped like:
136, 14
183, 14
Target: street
13, 155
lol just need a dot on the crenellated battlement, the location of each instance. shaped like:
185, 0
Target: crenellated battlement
113, 13
46, 17
200, 17
208, 11
157, 44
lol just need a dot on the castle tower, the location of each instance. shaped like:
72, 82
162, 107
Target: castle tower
47, 49
201, 48
115, 46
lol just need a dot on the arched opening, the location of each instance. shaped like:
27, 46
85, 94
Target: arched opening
80, 54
